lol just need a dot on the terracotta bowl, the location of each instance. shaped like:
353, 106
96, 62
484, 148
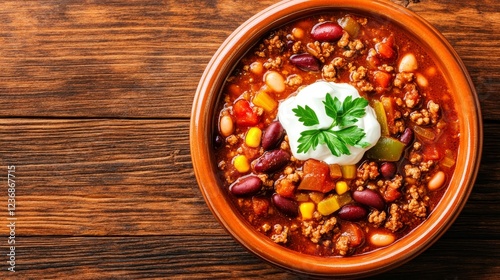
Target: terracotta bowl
203, 125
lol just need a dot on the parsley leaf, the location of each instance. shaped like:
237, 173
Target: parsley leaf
306, 115
332, 107
309, 139
336, 144
352, 110
344, 115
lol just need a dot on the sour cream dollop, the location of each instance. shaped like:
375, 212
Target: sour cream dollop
313, 96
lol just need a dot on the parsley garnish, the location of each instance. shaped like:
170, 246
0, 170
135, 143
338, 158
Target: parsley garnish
344, 115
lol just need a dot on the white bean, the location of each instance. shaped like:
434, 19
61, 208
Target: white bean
437, 181
298, 33
380, 239
422, 80
257, 68
408, 63
275, 81
226, 126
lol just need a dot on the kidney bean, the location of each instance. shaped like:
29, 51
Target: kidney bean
352, 212
388, 169
284, 205
271, 161
407, 136
272, 136
218, 142
369, 198
326, 31
246, 186
305, 62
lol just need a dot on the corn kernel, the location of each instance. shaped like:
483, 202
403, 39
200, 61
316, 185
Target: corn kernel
253, 137
341, 187
307, 210
241, 163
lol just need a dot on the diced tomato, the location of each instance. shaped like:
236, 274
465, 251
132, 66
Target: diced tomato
316, 177
391, 194
430, 152
373, 60
354, 232
244, 114
386, 48
381, 79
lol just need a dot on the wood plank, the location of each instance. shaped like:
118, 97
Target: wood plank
101, 177
134, 177
143, 59
110, 59
182, 257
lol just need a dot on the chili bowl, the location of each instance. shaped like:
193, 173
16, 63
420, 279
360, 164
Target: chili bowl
204, 127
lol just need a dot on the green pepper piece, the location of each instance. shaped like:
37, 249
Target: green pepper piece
381, 117
386, 149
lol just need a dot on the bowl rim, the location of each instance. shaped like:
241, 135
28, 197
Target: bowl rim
201, 125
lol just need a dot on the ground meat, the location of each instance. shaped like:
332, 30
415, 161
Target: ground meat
417, 201
276, 44
426, 165
265, 227
403, 78
272, 45
365, 86
342, 245
399, 125
280, 234
390, 188
377, 217
417, 208
394, 222
293, 80
386, 68
327, 49
420, 117
426, 116
330, 70
273, 63
344, 40
266, 181
355, 46
359, 74
412, 171
315, 231
297, 47
232, 140
369, 170
320, 50
412, 96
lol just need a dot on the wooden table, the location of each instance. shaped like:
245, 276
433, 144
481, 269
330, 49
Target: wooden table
95, 100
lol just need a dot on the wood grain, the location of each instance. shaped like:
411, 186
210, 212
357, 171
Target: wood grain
95, 100
143, 59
